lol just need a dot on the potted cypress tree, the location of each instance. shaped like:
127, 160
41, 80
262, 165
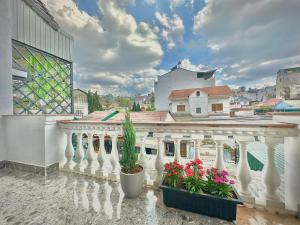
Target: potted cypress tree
131, 174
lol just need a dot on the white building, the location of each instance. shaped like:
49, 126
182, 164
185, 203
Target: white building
35, 81
80, 103
200, 101
178, 79
288, 83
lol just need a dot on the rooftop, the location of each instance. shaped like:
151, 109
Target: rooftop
210, 91
66, 198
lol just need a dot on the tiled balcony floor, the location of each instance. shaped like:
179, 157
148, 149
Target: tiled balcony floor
70, 199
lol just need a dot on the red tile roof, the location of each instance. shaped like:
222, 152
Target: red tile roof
210, 91
136, 117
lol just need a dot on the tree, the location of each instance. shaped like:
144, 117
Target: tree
123, 102
133, 107
94, 102
129, 154
138, 108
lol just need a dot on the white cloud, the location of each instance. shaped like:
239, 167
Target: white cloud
173, 28
251, 39
187, 64
108, 51
150, 2
178, 3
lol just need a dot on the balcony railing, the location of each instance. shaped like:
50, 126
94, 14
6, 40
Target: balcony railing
99, 163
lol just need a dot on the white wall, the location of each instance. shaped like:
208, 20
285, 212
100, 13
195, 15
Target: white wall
198, 102
175, 80
2, 144
83, 107
34, 139
6, 97
30, 28
24, 136
180, 102
219, 100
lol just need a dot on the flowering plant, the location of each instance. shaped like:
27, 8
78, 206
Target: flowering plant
174, 173
217, 183
194, 172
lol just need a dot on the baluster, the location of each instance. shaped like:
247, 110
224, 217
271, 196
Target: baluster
143, 160
114, 158
243, 173
271, 176
90, 155
177, 157
69, 152
197, 148
219, 162
101, 157
159, 163
79, 154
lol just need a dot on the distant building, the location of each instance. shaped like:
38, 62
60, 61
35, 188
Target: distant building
80, 103
178, 79
288, 83
200, 101
239, 102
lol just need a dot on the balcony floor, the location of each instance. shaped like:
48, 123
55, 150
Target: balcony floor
65, 198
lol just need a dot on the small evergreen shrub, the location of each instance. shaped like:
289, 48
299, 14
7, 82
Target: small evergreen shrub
129, 154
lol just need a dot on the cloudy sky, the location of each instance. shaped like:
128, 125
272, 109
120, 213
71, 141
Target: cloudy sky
122, 45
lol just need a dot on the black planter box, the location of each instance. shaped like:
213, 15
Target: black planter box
209, 205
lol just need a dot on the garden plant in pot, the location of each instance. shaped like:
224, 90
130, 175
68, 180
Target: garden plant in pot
131, 174
192, 188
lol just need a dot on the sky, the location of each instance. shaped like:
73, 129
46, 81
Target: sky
121, 46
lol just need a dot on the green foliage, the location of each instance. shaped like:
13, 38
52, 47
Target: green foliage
193, 184
45, 77
133, 107
93, 102
123, 102
138, 107
129, 154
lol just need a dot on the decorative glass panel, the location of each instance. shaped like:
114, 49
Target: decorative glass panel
42, 83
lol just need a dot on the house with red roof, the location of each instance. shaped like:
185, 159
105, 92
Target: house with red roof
199, 102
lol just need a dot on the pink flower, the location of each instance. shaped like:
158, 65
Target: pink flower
224, 173
231, 182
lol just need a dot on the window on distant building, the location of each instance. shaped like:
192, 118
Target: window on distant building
198, 93
200, 75
180, 108
198, 110
217, 107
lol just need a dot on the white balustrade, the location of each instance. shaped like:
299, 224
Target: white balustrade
271, 175
177, 142
159, 166
143, 160
79, 154
271, 178
243, 173
114, 158
219, 162
69, 152
101, 157
197, 149
90, 155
